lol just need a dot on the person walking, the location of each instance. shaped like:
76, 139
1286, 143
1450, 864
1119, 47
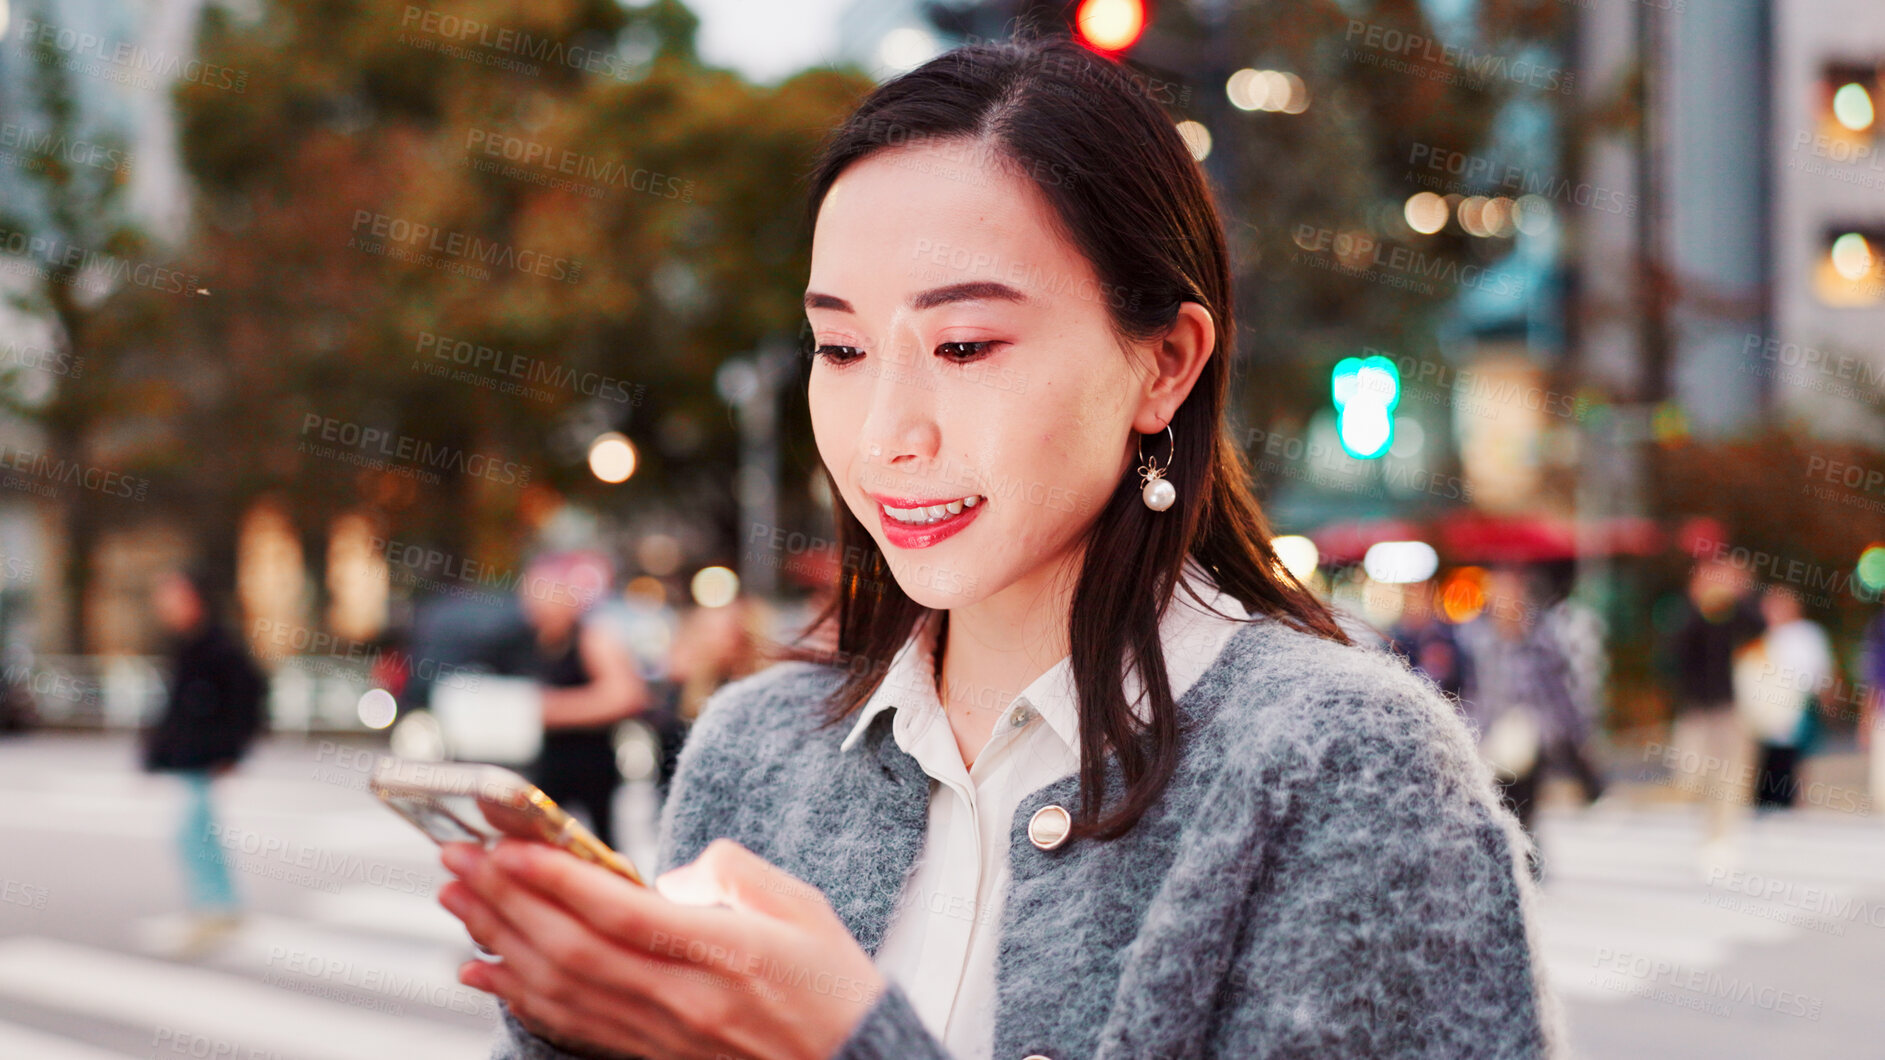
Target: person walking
210, 719
1718, 618
1777, 677
1521, 697
1429, 642
1086, 771
590, 682
1870, 694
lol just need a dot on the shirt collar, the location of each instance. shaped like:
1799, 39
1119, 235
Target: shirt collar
1192, 638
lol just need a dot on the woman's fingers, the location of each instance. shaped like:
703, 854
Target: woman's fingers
561, 960
631, 915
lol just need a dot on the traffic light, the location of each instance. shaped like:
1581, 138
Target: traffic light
1110, 26
1366, 391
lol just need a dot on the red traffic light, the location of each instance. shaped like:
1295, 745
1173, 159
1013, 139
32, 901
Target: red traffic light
1110, 25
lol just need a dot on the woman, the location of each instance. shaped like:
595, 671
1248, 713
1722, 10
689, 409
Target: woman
590, 682
1207, 826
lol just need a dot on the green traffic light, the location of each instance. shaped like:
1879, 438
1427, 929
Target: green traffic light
1366, 390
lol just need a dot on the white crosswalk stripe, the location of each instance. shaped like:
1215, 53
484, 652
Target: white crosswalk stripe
346, 955
23, 1042
234, 1015
1639, 884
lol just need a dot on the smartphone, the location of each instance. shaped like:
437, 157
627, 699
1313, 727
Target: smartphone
462, 802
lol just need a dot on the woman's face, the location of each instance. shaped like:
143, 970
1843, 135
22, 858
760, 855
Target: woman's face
965, 366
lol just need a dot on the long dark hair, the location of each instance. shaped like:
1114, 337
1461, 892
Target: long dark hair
1129, 194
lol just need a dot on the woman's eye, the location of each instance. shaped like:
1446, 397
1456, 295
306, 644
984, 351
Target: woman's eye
839, 354
966, 351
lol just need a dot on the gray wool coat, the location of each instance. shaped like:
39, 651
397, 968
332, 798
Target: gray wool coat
1329, 873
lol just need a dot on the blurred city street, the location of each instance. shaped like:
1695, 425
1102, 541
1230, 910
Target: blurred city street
458, 382
346, 954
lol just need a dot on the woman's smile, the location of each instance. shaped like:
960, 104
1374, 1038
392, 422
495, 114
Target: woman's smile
911, 522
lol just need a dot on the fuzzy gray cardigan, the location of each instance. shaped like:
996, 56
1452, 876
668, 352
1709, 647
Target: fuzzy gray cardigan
1329, 873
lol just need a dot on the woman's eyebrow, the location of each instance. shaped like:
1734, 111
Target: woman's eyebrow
966, 292
930, 299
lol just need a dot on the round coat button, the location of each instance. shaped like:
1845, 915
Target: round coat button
1034, 1056
1049, 826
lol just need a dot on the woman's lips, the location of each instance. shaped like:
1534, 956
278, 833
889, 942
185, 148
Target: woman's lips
904, 534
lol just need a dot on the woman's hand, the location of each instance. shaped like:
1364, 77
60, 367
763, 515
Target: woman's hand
734, 958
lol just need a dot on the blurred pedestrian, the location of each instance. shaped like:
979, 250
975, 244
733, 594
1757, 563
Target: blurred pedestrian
716, 645
1718, 618
210, 719
590, 682
1521, 697
1871, 697
1429, 642
1776, 679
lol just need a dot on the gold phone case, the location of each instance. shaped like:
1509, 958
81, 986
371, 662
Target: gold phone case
458, 802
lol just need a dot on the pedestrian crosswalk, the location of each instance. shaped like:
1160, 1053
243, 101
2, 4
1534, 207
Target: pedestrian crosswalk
1633, 897
346, 954
342, 953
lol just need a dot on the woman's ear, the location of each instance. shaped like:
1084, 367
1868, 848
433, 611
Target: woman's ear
1174, 363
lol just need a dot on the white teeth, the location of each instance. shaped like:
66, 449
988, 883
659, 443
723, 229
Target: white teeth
932, 512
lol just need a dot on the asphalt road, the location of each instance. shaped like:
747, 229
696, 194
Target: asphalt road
346, 954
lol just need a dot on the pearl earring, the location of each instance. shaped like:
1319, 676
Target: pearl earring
1159, 493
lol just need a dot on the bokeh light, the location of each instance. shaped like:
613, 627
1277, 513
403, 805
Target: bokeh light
1197, 139
378, 708
1852, 107
714, 586
612, 457
1426, 212
1298, 555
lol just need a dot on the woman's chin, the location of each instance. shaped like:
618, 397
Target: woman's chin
939, 586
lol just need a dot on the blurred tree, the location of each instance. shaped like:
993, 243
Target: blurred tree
409, 215
71, 216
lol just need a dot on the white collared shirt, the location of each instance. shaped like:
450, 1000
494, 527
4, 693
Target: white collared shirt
944, 934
